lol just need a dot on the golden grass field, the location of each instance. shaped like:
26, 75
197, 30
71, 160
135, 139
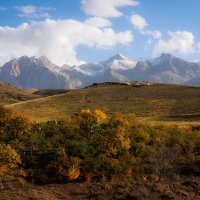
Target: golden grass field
155, 103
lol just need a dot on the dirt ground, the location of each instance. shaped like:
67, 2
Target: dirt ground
166, 190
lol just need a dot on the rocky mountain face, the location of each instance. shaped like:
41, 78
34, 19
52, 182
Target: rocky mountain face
31, 72
40, 73
167, 69
114, 69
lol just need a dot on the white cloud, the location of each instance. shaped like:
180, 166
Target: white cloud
138, 22
148, 44
179, 41
57, 40
33, 11
98, 22
2, 8
198, 47
108, 8
154, 33
27, 9
141, 24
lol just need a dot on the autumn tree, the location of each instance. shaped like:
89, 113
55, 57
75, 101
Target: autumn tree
67, 166
89, 120
9, 160
13, 124
108, 146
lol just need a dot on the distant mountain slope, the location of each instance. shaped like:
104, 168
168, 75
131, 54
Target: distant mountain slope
31, 72
194, 81
114, 69
143, 99
40, 73
12, 94
167, 69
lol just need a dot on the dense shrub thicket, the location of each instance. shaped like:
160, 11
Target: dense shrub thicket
91, 147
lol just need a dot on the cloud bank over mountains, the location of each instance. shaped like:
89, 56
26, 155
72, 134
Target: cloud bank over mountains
181, 41
59, 39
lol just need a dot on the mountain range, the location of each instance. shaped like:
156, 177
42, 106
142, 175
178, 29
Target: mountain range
41, 73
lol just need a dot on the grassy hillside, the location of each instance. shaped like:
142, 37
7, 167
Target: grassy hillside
149, 101
11, 94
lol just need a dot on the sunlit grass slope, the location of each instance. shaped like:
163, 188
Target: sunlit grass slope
152, 102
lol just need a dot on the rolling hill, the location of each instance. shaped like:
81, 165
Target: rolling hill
11, 94
146, 100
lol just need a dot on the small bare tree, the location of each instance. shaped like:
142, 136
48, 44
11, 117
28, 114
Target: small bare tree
162, 159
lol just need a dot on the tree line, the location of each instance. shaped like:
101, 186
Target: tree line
91, 146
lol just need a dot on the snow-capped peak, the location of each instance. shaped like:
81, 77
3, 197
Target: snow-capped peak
119, 62
164, 57
118, 56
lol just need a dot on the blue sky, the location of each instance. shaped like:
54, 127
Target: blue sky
76, 31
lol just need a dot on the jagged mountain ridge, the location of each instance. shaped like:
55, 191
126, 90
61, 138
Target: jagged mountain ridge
168, 69
32, 72
41, 73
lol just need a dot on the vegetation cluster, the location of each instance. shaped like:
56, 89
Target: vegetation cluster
89, 147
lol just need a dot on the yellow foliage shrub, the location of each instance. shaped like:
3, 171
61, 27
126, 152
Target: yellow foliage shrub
100, 115
9, 160
3, 169
85, 111
73, 173
97, 114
